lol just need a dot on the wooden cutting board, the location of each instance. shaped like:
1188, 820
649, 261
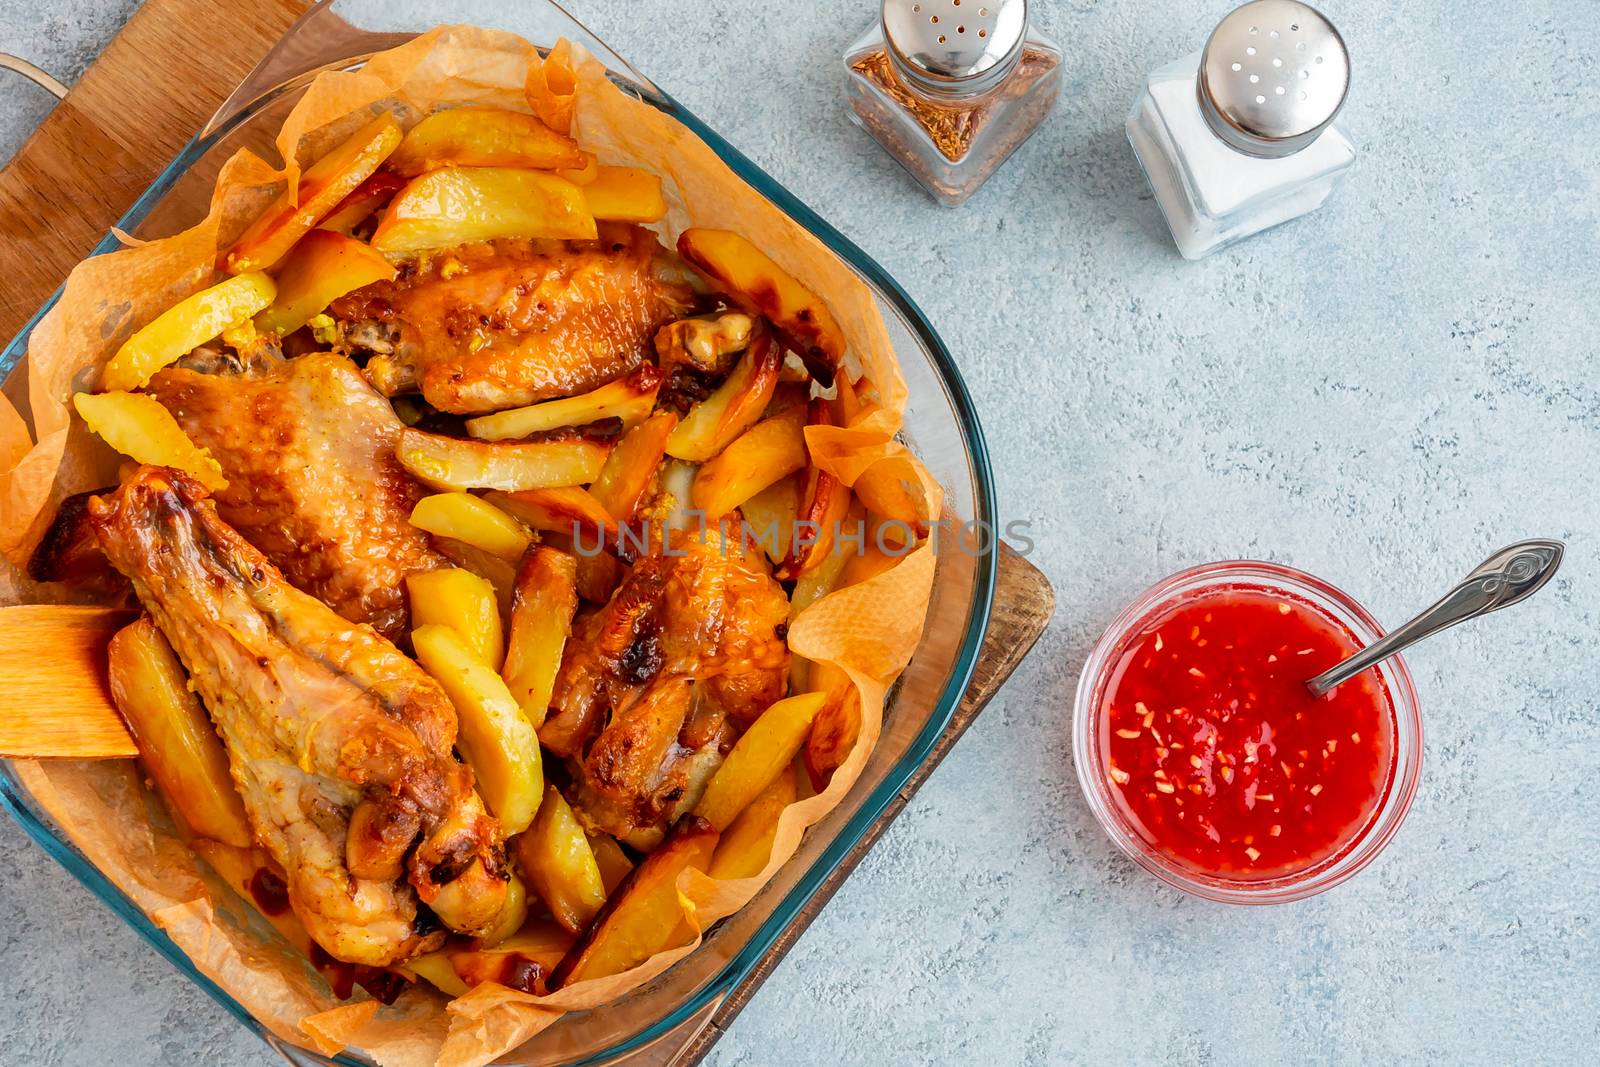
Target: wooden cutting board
129, 115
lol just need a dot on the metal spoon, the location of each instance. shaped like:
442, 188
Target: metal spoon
1508, 577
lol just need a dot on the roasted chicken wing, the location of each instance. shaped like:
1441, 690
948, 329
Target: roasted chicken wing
339, 744
657, 684
506, 323
308, 450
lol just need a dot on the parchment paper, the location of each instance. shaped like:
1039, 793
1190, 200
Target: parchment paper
869, 631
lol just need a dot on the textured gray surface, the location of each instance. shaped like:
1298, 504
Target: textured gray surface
1380, 394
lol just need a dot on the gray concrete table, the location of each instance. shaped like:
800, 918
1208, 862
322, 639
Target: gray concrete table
1379, 393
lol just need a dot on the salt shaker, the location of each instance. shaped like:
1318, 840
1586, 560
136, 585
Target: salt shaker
1240, 136
950, 88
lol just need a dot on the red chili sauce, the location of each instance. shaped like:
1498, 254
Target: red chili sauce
1220, 756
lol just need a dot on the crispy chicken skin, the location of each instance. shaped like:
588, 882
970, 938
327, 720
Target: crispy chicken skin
340, 745
655, 686
506, 323
308, 450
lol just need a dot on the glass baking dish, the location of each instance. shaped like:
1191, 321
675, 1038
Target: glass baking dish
940, 424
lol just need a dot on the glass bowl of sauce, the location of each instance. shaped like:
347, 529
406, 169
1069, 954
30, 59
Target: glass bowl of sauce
1207, 760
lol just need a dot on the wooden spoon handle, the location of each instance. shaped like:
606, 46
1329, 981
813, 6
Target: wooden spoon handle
55, 700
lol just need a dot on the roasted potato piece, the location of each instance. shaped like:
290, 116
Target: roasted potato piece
513, 913
458, 205
704, 343
370, 197
643, 916
555, 856
142, 429
890, 488
495, 737
629, 399
625, 194
482, 137
567, 509
823, 507
322, 267
817, 582
521, 962
733, 408
463, 601
542, 605
765, 751
614, 863
185, 326
466, 518
436, 969
322, 187
458, 463
747, 845
631, 468
771, 516
769, 450
749, 277
836, 727
180, 749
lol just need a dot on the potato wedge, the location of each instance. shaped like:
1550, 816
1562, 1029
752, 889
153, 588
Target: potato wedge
513, 913
585, 174
746, 847
463, 601
817, 582
644, 915
822, 509
456, 205
370, 197
543, 602
749, 277
568, 509
323, 186
631, 468
495, 737
138, 426
614, 863
522, 962
556, 858
482, 137
759, 756
179, 746
185, 326
629, 399
457, 463
322, 267
769, 450
836, 727
499, 572
770, 516
733, 408
437, 970
891, 489
625, 194
464, 517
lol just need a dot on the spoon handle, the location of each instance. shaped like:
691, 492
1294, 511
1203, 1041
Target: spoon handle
1508, 577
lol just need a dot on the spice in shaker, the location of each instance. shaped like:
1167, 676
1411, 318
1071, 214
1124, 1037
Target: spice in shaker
1239, 137
950, 88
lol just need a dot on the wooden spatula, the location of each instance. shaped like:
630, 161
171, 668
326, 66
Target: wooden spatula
55, 700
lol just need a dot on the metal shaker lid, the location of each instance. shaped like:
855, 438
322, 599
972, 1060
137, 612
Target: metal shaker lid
1273, 76
955, 46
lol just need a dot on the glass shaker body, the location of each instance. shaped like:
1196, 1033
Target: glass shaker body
1211, 193
948, 141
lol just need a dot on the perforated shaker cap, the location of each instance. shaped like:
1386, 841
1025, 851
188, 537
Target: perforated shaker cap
1273, 76
955, 46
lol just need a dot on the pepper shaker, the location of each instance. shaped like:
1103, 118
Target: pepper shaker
951, 88
1239, 136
